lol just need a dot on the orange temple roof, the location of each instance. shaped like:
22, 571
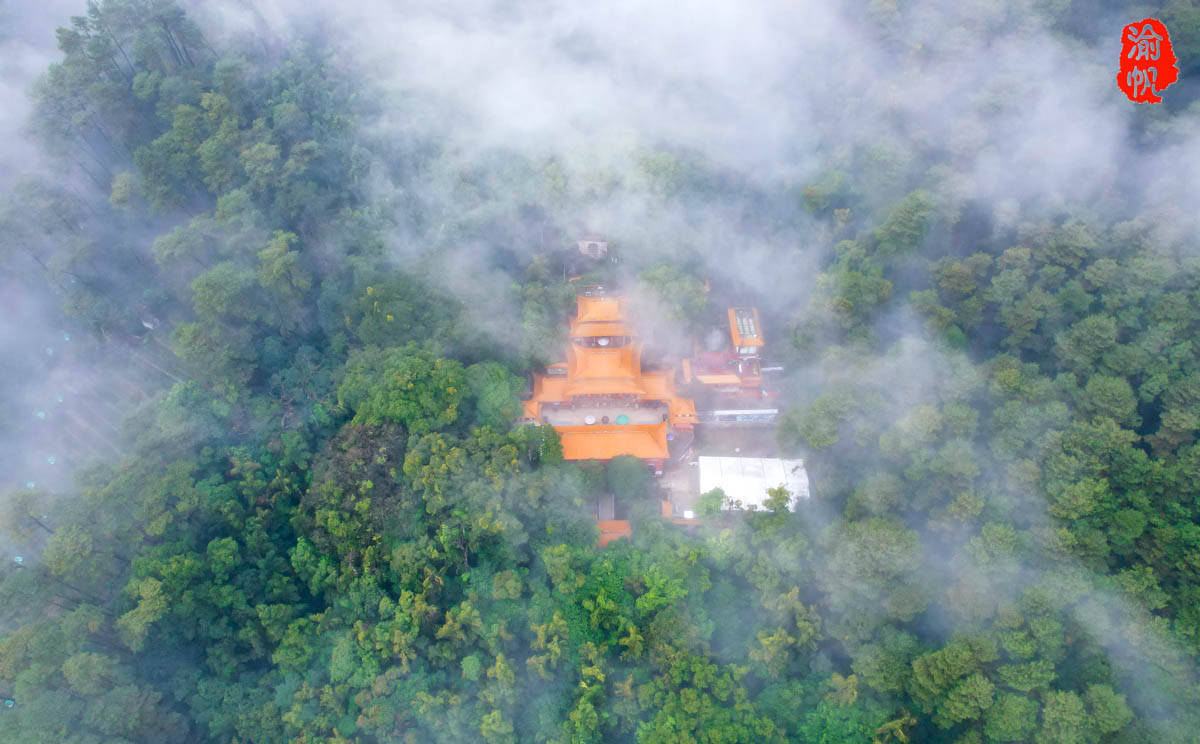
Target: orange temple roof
613, 529
604, 386
602, 363
607, 381
661, 386
599, 309
744, 327
721, 379
588, 330
604, 442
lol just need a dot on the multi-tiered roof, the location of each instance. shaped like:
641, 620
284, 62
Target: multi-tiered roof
600, 401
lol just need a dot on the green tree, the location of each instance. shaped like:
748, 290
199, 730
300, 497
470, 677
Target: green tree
709, 504
1107, 710
906, 224
494, 390
627, 478
683, 295
406, 385
1064, 720
1108, 395
1011, 718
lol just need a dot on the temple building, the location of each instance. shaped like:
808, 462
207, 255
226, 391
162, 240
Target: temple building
730, 363
600, 400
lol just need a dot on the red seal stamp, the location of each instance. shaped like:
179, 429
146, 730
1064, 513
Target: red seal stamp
1147, 61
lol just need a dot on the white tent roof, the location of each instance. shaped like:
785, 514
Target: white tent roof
746, 479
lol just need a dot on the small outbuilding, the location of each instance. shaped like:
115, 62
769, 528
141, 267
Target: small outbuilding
593, 247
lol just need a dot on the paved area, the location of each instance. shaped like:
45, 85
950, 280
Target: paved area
606, 508
578, 416
681, 481
681, 486
714, 441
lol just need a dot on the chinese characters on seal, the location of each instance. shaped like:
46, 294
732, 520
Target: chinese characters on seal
1147, 61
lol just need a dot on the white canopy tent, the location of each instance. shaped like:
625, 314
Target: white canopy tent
745, 480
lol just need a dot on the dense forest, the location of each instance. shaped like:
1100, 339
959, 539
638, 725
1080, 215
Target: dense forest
273, 310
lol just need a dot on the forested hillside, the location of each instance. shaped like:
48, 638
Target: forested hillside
297, 297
